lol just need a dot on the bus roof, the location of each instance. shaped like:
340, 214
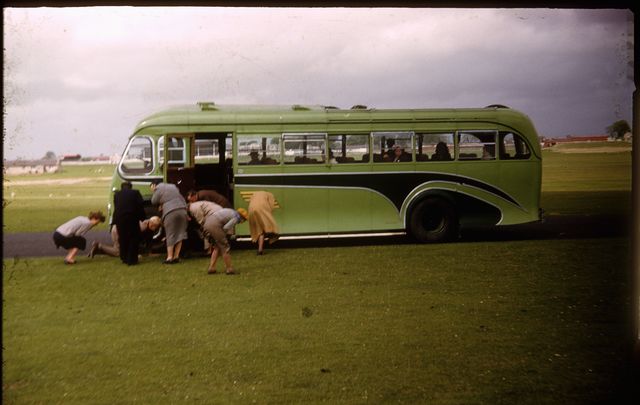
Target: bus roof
209, 113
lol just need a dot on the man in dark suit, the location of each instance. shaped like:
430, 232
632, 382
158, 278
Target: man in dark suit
127, 214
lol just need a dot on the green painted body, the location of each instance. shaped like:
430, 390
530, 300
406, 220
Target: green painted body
335, 198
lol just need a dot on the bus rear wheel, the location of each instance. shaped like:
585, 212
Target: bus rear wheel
433, 220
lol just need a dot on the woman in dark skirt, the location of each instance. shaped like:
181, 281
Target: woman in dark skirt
70, 235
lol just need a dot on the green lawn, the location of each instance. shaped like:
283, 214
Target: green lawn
40, 203
517, 322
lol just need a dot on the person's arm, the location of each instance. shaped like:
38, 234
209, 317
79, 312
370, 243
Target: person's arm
228, 227
156, 197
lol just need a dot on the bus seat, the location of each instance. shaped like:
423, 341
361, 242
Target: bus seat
422, 158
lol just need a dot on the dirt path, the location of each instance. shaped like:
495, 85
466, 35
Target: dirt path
63, 182
21, 245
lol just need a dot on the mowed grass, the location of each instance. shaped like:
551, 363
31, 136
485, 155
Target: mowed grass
518, 322
538, 321
40, 203
586, 183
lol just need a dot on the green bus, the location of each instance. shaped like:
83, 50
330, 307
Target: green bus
346, 172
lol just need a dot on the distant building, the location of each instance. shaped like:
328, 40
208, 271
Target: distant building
587, 138
40, 166
71, 158
548, 142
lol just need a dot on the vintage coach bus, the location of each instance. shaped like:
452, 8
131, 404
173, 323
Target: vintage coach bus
342, 172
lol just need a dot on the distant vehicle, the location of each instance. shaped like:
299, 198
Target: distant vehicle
338, 172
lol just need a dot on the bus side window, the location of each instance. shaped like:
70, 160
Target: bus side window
385, 143
435, 146
512, 146
304, 148
476, 145
349, 148
259, 150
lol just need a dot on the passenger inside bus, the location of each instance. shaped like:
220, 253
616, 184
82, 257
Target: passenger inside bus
488, 152
399, 155
255, 158
442, 152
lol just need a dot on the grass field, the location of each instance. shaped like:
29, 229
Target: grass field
519, 322
537, 321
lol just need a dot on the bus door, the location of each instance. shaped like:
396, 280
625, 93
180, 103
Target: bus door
213, 163
178, 168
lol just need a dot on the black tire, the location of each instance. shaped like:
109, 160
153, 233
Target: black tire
433, 220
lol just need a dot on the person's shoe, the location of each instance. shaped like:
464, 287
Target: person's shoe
260, 252
212, 271
230, 272
169, 261
273, 238
69, 261
94, 249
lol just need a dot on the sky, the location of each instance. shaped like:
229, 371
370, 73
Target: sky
78, 80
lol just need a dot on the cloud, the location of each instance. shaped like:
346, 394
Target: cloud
70, 68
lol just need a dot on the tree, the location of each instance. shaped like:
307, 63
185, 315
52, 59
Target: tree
49, 156
618, 129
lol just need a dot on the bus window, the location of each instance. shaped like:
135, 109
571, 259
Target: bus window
138, 158
207, 151
349, 148
304, 148
512, 146
476, 145
176, 150
259, 150
384, 144
434, 146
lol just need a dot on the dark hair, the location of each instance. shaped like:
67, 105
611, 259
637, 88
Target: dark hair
126, 185
156, 181
191, 192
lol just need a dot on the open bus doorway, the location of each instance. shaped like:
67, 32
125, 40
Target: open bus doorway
213, 163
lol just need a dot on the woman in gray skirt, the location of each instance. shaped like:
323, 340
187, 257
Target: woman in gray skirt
174, 217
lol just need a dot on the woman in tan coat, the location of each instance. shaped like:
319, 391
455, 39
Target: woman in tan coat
261, 222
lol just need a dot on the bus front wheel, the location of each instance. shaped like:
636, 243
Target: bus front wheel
433, 220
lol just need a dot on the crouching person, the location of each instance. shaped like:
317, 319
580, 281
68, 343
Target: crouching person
147, 226
70, 235
216, 226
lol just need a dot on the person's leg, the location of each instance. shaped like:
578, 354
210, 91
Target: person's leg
134, 246
108, 250
169, 254
213, 261
261, 243
134, 242
227, 263
124, 239
71, 255
176, 251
